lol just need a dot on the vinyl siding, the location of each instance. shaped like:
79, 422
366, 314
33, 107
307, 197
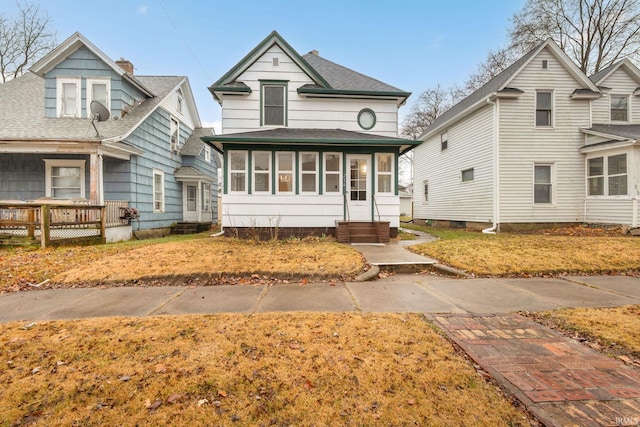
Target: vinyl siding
610, 211
522, 145
621, 84
470, 145
242, 113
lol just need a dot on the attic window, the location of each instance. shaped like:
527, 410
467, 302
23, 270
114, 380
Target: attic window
68, 94
545, 64
276, 61
175, 134
179, 100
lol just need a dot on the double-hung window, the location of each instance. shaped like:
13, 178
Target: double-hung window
309, 173
332, 172
237, 171
261, 171
64, 178
207, 154
619, 108
607, 176
68, 99
444, 141
426, 191
284, 165
544, 108
98, 90
174, 134
274, 104
542, 184
158, 191
206, 197
385, 172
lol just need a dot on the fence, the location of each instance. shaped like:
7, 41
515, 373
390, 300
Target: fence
54, 224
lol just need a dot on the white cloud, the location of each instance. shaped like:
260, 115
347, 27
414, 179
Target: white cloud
142, 9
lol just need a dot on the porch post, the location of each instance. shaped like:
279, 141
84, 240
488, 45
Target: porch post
96, 195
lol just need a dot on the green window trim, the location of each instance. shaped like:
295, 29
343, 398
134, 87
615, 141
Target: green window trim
284, 84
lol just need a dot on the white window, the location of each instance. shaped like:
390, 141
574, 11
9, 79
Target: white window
261, 171
332, 172
544, 108
542, 184
444, 141
179, 100
619, 108
467, 175
174, 134
207, 154
274, 100
607, 176
206, 197
237, 171
158, 191
68, 97
192, 191
98, 90
385, 172
309, 173
284, 166
64, 179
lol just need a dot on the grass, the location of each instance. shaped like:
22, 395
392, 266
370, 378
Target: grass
267, 369
615, 330
508, 254
211, 260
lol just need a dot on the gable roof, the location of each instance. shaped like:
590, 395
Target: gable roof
500, 84
23, 119
70, 45
328, 77
625, 63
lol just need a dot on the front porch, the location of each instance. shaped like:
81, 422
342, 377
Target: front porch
48, 223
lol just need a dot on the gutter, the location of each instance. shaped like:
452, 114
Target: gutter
496, 170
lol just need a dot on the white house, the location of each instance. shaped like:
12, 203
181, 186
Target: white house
309, 146
540, 144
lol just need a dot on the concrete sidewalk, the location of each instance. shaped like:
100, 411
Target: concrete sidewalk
398, 293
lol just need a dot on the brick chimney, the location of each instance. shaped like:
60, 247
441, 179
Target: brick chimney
126, 65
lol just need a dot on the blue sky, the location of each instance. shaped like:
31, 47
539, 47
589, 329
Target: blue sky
410, 44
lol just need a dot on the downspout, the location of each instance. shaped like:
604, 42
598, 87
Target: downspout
496, 171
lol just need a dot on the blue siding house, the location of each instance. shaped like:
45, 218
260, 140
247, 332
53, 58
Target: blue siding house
147, 155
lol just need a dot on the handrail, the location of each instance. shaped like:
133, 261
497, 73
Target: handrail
375, 203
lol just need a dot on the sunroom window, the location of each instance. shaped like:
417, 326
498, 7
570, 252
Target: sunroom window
64, 179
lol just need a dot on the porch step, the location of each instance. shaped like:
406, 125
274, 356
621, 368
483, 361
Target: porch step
362, 232
190, 227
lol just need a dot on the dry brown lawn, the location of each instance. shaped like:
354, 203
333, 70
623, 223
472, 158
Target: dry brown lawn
267, 369
612, 330
202, 258
508, 254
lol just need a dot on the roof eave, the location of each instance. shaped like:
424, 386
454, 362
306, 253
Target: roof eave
473, 107
400, 97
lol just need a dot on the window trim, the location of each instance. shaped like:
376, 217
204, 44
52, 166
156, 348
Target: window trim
206, 197
179, 101
390, 174
606, 176
444, 140
325, 172
93, 81
207, 154
174, 146
285, 88
291, 171
552, 184
158, 172
60, 81
551, 110
462, 175
373, 116
51, 163
627, 111
302, 172
425, 191
268, 172
244, 171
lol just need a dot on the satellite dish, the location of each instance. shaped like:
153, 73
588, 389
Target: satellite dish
98, 112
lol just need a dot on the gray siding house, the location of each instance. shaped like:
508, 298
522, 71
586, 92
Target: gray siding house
147, 155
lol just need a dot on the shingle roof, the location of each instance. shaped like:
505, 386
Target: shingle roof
624, 131
190, 172
595, 78
287, 135
194, 144
343, 78
22, 112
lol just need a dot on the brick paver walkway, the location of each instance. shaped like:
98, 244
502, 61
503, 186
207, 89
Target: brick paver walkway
561, 381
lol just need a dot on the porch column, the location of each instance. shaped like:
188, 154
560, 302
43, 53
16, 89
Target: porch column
96, 194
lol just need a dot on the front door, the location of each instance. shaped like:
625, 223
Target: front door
359, 187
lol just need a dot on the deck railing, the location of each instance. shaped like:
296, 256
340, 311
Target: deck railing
59, 223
